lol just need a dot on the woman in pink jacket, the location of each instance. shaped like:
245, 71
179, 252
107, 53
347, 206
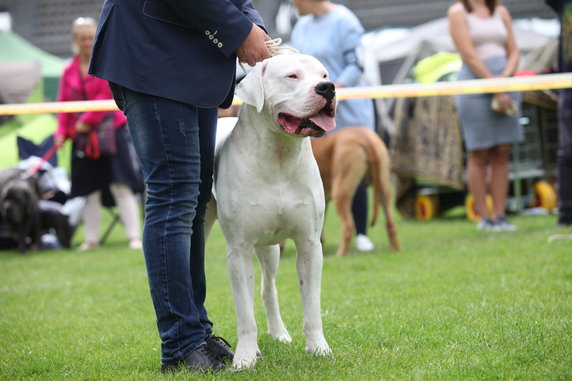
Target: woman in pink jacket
116, 176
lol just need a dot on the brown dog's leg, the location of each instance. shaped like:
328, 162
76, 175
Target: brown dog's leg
351, 167
390, 224
342, 201
386, 202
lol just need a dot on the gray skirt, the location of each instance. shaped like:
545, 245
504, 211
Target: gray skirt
482, 127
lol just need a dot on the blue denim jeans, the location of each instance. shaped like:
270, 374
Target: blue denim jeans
175, 145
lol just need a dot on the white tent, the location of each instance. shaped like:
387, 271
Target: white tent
389, 55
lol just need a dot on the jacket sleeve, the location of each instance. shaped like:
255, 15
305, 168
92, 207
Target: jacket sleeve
96, 89
353, 69
351, 33
252, 14
65, 119
222, 20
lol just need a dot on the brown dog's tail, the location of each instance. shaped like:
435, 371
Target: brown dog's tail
378, 159
379, 174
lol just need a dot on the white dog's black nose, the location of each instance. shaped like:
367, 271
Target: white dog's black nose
326, 89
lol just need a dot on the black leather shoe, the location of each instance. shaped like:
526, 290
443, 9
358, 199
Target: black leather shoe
200, 360
220, 347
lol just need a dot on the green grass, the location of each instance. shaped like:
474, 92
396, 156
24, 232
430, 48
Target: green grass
454, 304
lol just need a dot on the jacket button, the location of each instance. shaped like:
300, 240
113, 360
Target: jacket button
207, 32
220, 44
215, 41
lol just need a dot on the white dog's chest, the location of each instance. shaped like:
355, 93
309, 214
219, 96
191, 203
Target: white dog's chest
268, 211
271, 226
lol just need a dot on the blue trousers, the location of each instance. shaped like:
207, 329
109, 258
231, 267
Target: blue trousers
175, 145
565, 157
359, 209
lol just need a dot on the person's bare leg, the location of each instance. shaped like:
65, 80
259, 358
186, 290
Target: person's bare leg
91, 220
476, 179
499, 177
129, 212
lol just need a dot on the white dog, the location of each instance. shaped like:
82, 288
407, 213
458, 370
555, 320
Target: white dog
268, 188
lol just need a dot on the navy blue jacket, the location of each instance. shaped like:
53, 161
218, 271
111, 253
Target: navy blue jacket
183, 50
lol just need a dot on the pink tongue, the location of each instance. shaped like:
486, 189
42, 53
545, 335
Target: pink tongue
324, 121
290, 127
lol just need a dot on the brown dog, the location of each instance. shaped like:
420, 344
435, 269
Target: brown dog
346, 159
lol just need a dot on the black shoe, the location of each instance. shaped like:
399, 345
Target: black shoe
220, 347
564, 221
201, 360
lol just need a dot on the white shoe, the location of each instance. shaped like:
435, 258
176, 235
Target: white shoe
88, 246
503, 225
486, 224
363, 243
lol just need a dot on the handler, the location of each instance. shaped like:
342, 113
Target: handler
170, 63
564, 10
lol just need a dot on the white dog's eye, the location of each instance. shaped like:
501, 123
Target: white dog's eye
325, 76
293, 76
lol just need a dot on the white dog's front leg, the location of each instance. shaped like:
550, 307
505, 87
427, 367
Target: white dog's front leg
309, 265
269, 257
239, 261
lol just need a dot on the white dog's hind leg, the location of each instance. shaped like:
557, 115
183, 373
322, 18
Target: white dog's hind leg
269, 257
309, 265
240, 268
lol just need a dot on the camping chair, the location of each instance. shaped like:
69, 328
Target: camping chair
27, 148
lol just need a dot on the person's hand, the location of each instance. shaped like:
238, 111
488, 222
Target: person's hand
82, 127
59, 140
254, 49
504, 103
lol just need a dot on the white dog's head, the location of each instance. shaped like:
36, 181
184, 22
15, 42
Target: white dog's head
295, 90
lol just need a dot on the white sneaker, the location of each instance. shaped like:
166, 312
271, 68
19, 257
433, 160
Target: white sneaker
487, 225
363, 243
503, 225
88, 246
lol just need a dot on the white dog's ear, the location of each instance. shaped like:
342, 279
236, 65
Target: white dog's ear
250, 89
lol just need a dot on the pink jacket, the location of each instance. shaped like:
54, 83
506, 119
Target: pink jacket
71, 88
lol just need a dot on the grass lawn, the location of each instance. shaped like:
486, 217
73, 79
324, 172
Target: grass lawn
455, 304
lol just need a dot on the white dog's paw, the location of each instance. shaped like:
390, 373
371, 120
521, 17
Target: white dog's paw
281, 335
318, 348
245, 358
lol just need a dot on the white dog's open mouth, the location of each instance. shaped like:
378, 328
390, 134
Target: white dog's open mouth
314, 126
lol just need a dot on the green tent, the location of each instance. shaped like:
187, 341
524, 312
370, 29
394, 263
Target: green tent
33, 76
436, 66
14, 48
